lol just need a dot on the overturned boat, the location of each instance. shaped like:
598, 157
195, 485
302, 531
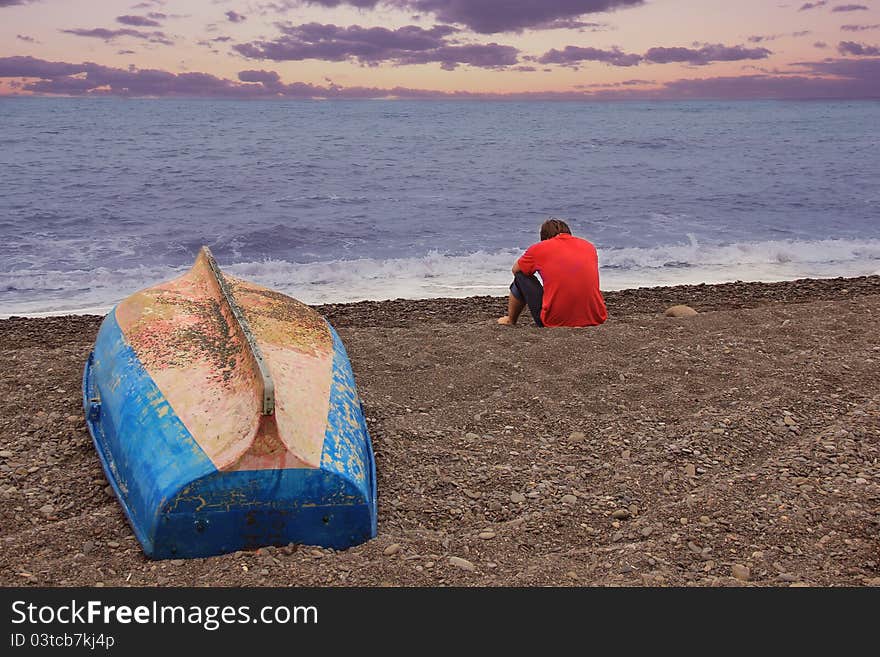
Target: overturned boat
226, 417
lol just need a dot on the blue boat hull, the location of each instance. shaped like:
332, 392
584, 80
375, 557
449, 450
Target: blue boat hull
180, 505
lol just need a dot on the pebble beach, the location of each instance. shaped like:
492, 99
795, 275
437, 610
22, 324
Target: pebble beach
736, 447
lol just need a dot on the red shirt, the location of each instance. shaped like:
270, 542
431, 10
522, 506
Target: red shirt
569, 268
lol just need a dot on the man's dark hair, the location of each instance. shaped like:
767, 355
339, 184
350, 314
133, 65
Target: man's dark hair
552, 228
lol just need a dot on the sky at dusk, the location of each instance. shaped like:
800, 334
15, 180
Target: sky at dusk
603, 49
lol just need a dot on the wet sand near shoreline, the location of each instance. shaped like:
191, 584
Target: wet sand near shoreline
740, 447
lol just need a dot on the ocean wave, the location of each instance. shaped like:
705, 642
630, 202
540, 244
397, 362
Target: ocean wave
439, 274
695, 254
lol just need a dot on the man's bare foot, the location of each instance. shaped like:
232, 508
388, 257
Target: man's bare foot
505, 321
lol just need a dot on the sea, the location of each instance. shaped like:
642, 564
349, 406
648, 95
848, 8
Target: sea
338, 201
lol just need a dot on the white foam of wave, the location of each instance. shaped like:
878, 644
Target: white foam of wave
433, 275
441, 275
768, 253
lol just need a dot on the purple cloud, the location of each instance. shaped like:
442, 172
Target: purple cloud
754, 87
859, 28
820, 44
235, 17
30, 67
405, 45
863, 69
774, 37
95, 80
137, 21
13, 3
110, 35
705, 55
569, 24
850, 8
571, 55
139, 83
332, 43
489, 16
829, 79
284, 5
211, 43
264, 77
858, 49
488, 55
813, 5
24, 37
610, 85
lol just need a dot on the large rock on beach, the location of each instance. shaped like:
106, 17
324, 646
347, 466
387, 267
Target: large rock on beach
680, 311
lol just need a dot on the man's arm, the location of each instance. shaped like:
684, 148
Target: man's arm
526, 262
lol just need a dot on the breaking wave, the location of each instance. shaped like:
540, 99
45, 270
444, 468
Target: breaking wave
437, 274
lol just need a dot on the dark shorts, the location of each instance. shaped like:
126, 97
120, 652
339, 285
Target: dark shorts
529, 290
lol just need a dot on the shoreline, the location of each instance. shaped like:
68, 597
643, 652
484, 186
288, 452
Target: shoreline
739, 447
621, 303
749, 292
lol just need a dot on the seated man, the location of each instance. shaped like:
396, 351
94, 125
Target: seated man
570, 270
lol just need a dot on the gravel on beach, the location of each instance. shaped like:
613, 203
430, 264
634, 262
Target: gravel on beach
737, 447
